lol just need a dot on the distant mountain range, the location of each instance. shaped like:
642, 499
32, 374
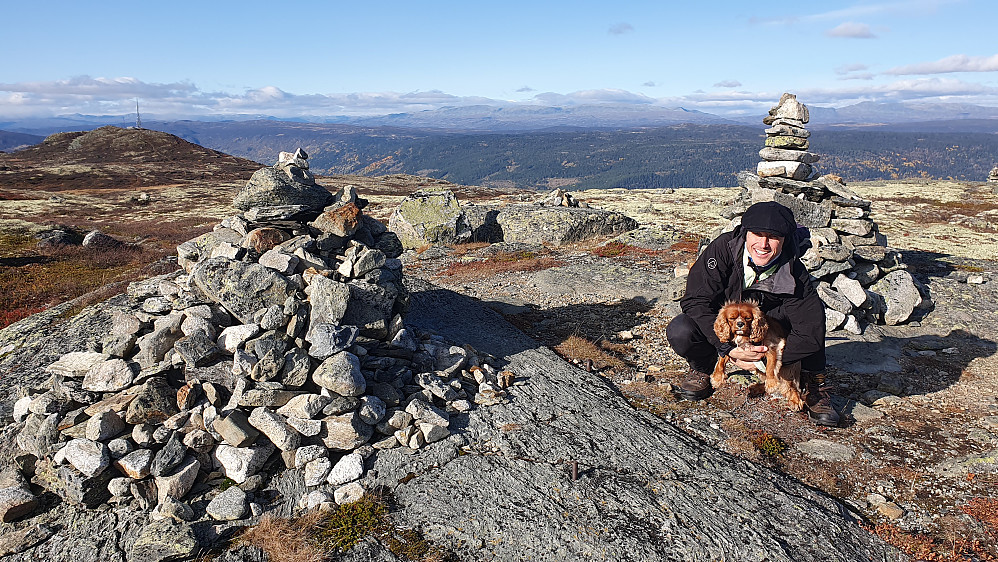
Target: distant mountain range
14, 141
595, 146
487, 118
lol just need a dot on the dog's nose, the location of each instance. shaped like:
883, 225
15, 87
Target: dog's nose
739, 323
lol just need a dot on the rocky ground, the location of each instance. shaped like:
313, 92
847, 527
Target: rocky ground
918, 449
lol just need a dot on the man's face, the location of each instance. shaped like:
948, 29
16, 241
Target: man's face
763, 247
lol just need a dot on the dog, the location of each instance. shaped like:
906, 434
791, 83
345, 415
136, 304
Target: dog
744, 324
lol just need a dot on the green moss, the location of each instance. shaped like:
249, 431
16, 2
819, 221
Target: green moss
769, 445
351, 522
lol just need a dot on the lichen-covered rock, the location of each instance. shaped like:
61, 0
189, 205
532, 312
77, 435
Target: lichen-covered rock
228, 505
242, 288
275, 186
429, 217
532, 224
163, 540
900, 294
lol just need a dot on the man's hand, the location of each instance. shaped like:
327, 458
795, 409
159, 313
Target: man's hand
745, 358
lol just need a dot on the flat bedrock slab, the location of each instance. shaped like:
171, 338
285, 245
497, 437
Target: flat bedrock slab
693, 502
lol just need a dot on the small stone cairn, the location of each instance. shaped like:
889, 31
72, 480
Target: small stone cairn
279, 346
993, 176
860, 278
561, 198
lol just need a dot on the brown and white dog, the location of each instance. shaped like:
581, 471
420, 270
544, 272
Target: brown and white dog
745, 325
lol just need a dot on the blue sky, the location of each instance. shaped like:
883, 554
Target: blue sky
186, 59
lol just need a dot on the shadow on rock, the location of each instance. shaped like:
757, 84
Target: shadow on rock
903, 366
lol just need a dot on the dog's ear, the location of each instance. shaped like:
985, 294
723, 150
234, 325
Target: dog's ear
721, 326
759, 325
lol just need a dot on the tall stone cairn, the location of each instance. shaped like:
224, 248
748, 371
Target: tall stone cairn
860, 278
281, 336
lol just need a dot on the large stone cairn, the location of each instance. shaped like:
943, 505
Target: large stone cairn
279, 346
861, 279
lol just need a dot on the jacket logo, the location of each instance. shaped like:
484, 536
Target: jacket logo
711, 263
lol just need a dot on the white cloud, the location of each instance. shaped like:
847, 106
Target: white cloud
955, 63
847, 68
620, 28
118, 87
851, 30
921, 89
728, 84
101, 96
859, 76
649, 84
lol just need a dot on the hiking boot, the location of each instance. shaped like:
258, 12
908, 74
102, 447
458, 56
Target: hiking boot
817, 399
695, 385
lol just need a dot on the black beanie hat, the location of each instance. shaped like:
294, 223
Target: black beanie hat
769, 217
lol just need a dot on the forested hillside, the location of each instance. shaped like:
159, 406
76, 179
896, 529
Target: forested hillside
676, 156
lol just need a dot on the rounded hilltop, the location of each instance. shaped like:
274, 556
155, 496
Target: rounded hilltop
96, 157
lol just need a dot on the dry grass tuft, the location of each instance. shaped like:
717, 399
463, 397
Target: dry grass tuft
503, 262
580, 350
615, 248
462, 249
284, 540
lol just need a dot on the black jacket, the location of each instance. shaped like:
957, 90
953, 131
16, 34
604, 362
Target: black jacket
789, 295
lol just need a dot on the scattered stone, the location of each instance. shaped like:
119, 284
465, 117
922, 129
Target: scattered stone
236, 429
275, 428
164, 540
347, 469
170, 456
23, 539
341, 374
824, 450
890, 510
316, 471
228, 505
89, 457
426, 412
137, 464
348, 493
154, 403
239, 463
176, 484
104, 425
174, 510
109, 376
429, 217
16, 499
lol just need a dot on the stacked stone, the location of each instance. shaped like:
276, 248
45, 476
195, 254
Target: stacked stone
280, 345
785, 154
993, 176
561, 198
861, 279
